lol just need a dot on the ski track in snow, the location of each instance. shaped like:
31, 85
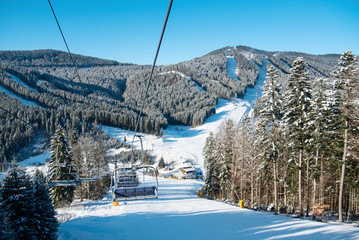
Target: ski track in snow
179, 214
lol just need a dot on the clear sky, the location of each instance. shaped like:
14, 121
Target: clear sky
128, 31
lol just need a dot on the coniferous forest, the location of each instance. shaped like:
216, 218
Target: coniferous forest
110, 93
298, 152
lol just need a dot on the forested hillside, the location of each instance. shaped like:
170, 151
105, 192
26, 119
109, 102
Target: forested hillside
299, 150
49, 92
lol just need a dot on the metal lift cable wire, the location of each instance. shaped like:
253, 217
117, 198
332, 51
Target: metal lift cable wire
14, 115
63, 37
152, 70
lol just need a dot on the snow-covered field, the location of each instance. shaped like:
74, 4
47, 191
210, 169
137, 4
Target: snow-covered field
179, 214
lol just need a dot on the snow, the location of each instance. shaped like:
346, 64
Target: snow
179, 214
179, 143
36, 163
23, 101
183, 142
18, 80
252, 93
285, 63
232, 67
185, 76
39, 159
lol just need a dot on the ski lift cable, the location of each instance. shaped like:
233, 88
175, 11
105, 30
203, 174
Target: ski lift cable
14, 115
152, 70
63, 37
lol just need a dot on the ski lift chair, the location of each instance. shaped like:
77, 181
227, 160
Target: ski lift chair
68, 178
133, 184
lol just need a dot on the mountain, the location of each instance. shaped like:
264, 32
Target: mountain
45, 90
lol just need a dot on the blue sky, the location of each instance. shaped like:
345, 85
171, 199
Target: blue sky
128, 31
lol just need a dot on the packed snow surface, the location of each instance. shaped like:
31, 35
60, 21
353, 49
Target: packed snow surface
179, 214
232, 67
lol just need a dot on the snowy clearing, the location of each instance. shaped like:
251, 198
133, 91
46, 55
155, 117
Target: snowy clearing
185, 76
179, 214
23, 101
183, 142
232, 67
18, 80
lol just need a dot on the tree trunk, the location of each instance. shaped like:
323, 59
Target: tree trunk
300, 183
308, 178
252, 190
275, 186
341, 189
321, 182
314, 180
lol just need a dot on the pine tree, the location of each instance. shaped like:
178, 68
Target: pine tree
59, 166
245, 162
297, 99
225, 159
101, 170
346, 73
4, 233
44, 212
161, 163
268, 129
210, 165
18, 202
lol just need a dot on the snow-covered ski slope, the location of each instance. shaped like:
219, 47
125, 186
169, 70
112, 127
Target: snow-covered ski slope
179, 214
183, 142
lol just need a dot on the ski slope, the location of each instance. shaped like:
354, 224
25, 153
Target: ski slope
180, 143
179, 214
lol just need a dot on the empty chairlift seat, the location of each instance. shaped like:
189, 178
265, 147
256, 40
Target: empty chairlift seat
128, 186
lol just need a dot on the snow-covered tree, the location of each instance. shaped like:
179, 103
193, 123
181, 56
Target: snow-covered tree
346, 73
297, 107
211, 167
225, 159
268, 129
161, 163
245, 163
18, 202
44, 212
60, 168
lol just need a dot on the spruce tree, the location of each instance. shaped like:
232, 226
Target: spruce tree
100, 171
211, 166
44, 212
346, 74
297, 107
18, 202
268, 129
60, 169
161, 163
225, 159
